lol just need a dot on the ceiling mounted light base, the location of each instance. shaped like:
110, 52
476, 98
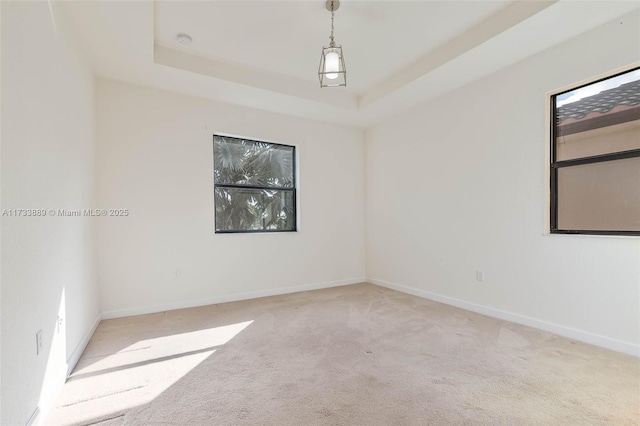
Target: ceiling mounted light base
333, 5
332, 71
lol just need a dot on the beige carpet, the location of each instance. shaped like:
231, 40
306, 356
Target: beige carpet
354, 355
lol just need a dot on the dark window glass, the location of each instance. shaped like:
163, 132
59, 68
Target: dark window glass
595, 157
254, 186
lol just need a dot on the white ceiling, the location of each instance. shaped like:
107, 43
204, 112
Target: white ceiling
379, 38
265, 54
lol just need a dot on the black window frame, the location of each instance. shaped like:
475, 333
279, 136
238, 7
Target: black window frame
293, 190
555, 165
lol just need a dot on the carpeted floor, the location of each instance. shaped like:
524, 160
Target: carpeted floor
353, 355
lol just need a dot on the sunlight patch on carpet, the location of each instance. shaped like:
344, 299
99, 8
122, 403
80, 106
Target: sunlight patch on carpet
137, 373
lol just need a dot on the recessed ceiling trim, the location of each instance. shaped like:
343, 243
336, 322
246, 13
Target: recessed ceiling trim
125, 32
186, 61
507, 18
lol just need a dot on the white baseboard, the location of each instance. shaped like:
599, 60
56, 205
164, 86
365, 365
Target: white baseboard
77, 353
571, 333
127, 312
34, 416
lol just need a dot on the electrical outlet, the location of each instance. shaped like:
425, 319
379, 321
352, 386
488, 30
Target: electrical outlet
60, 324
479, 275
38, 342
177, 273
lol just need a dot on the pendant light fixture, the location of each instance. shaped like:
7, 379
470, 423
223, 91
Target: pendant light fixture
332, 72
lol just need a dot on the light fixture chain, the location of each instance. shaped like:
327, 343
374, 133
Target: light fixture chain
331, 37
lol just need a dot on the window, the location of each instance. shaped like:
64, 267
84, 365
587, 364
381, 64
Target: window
595, 157
254, 186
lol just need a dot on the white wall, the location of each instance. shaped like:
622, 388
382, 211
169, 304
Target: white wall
48, 263
0, 210
459, 184
155, 158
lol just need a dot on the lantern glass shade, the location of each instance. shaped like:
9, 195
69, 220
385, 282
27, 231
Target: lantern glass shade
332, 72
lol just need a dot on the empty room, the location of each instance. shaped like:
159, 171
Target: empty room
320, 212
